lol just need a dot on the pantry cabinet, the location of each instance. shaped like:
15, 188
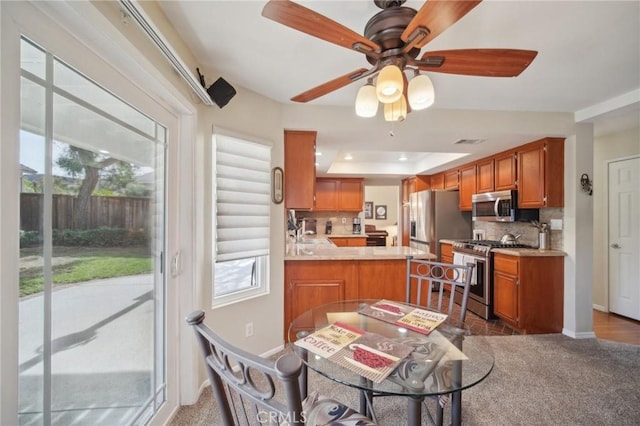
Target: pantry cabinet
299, 169
541, 174
528, 292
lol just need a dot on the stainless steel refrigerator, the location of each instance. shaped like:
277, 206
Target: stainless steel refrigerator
434, 216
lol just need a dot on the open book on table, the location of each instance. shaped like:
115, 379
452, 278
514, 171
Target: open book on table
368, 354
415, 319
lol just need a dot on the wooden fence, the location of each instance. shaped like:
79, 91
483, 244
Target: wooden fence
112, 212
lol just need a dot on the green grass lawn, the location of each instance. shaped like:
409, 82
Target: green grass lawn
79, 264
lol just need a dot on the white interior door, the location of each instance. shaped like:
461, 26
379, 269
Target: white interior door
624, 237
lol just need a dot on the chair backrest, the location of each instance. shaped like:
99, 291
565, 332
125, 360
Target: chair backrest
249, 389
433, 285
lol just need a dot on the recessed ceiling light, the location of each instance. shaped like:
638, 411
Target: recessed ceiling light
348, 157
103, 151
402, 158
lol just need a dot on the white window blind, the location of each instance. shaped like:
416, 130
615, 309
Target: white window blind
242, 198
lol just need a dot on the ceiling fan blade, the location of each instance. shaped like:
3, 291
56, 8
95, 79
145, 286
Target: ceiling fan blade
330, 86
306, 20
437, 16
478, 62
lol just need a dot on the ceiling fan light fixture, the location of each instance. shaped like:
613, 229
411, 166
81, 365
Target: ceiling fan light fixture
367, 101
420, 92
390, 84
396, 111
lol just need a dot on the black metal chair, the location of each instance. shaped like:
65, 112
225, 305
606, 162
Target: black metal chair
252, 390
432, 285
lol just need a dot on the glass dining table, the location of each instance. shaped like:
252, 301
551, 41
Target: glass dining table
444, 362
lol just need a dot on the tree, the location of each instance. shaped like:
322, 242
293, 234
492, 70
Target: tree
90, 165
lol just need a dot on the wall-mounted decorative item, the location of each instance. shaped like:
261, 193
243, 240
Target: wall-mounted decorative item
381, 212
277, 190
586, 183
368, 209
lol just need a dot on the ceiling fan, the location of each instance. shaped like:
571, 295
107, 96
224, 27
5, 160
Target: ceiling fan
395, 36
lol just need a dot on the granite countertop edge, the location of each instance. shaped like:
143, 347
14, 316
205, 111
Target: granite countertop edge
529, 252
300, 252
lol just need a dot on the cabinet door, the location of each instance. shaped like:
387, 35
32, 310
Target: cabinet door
451, 179
406, 209
339, 242
505, 297
531, 176
299, 169
446, 253
485, 173
423, 182
350, 195
405, 191
505, 171
437, 181
326, 195
356, 242
305, 294
467, 186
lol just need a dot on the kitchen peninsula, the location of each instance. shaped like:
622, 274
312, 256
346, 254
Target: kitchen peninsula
318, 272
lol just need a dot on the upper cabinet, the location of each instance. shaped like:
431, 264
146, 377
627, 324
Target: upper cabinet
334, 194
299, 169
452, 179
485, 175
467, 186
437, 180
505, 171
541, 174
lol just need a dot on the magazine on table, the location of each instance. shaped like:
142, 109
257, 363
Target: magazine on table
368, 354
415, 319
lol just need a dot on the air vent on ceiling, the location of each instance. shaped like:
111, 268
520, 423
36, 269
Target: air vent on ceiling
468, 141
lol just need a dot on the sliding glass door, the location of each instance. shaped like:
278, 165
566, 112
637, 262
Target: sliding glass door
92, 239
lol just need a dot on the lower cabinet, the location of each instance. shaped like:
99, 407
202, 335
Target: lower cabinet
446, 253
316, 282
349, 241
528, 292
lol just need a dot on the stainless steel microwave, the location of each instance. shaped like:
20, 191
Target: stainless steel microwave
500, 206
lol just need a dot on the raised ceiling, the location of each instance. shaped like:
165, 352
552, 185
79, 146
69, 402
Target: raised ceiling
588, 65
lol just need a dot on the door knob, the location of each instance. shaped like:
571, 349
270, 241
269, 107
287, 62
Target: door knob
615, 246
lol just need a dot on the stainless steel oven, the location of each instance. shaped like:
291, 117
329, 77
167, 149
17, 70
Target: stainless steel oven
481, 293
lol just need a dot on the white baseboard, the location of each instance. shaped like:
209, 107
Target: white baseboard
272, 351
600, 308
580, 335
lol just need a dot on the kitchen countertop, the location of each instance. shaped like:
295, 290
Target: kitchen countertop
315, 249
529, 252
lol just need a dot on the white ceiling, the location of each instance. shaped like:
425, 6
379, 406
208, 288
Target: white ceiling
588, 64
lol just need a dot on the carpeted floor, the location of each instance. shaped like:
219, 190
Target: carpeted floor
537, 380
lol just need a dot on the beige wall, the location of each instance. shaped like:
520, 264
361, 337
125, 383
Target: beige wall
606, 148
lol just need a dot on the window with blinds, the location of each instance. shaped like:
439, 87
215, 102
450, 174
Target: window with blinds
242, 203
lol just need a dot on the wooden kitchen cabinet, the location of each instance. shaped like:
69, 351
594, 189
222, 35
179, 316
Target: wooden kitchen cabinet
446, 253
528, 292
437, 181
349, 241
339, 195
299, 169
505, 171
485, 175
452, 179
541, 174
467, 186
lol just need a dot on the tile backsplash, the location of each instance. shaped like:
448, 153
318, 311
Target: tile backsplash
528, 233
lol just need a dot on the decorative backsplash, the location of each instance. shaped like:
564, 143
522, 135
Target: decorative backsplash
528, 233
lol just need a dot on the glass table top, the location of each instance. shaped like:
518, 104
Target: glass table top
435, 366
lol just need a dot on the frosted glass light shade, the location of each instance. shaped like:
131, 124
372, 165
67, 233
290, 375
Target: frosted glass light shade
366, 101
390, 84
420, 92
396, 111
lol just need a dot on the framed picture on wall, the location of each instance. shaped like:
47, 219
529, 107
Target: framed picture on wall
381, 212
368, 209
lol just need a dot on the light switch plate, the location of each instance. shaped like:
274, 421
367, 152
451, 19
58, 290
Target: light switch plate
556, 224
